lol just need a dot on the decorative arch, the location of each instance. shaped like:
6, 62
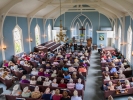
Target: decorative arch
37, 35
18, 40
82, 21
129, 44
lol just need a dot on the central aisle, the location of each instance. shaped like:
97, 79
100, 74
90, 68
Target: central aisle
94, 79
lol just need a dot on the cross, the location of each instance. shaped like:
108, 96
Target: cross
82, 29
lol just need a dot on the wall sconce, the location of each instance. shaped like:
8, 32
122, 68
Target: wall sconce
116, 38
44, 35
123, 43
4, 47
31, 40
132, 53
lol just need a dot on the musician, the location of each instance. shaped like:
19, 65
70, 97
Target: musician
75, 46
81, 47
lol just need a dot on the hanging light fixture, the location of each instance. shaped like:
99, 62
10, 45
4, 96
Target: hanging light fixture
61, 37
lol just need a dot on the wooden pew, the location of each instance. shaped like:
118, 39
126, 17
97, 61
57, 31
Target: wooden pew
8, 83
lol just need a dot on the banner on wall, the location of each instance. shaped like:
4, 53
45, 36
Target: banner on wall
101, 36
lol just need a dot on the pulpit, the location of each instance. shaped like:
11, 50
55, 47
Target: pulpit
89, 42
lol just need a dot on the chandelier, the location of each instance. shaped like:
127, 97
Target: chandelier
61, 37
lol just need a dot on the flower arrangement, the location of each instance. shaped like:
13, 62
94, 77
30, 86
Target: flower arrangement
82, 35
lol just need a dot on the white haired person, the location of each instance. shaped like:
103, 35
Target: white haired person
26, 92
36, 93
34, 71
75, 96
79, 85
16, 90
33, 80
70, 85
130, 98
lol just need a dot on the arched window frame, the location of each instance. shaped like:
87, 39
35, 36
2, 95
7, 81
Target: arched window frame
129, 44
119, 38
37, 35
20, 39
49, 32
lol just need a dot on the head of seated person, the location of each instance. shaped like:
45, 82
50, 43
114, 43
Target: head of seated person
62, 84
36, 93
74, 75
128, 68
24, 80
127, 84
16, 90
47, 73
79, 85
33, 80
57, 95
108, 59
26, 92
118, 86
47, 82
121, 75
70, 85
54, 74
122, 67
65, 95
47, 94
39, 81
66, 75
75, 96
41, 72
102, 60
110, 98
34, 71
115, 75
130, 98
54, 83
111, 86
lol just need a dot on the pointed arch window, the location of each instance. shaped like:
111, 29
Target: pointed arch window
49, 32
129, 44
18, 40
119, 38
88, 31
37, 35
76, 33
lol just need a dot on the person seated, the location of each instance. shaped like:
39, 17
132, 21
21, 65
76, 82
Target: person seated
54, 83
43, 65
108, 53
74, 75
24, 80
128, 68
33, 80
47, 94
65, 59
80, 53
125, 62
16, 69
59, 55
111, 86
6, 76
102, 60
86, 53
110, 98
107, 77
122, 68
104, 56
121, 75
41, 72
36, 93
65, 68
65, 95
76, 60
5, 63
26, 92
82, 69
78, 85
62, 84
69, 63
34, 71
119, 56
118, 87
54, 74
72, 69
130, 98
75, 96
86, 60
10, 63
16, 90
39, 81
57, 95
108, 59
119, 62
47, 82
1, 71
70, 85
106, 69
115, 76
116, 60
113, 69
46, 74
66, 75
127, 84
81, 76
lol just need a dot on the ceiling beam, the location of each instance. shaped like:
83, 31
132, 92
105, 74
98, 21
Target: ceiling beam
7, 7
51, 12
77, 3
39, 8
126, 5
111, 9
82, 11
78, 7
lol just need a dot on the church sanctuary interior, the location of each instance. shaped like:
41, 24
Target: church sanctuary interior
66, 50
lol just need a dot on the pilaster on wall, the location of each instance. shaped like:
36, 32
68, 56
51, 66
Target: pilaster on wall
29, 23
1, 36
123, 32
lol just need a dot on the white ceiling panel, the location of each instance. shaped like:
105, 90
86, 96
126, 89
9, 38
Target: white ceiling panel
3, 3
